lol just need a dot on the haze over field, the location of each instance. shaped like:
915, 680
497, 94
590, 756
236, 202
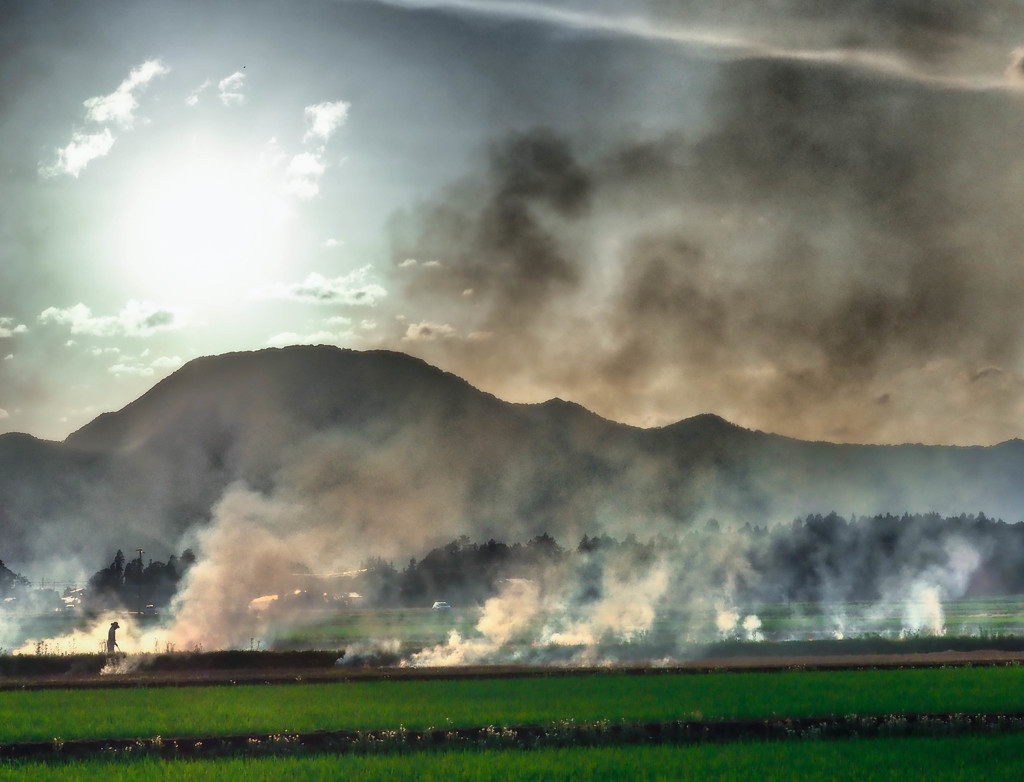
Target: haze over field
273, 464
799, 217
802, 216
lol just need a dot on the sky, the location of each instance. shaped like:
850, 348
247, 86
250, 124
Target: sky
802, 215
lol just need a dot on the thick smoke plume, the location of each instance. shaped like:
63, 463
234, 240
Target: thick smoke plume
255, 547
827, 254
666, 600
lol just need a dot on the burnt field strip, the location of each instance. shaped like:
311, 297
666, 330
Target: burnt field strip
46, 671
522, 737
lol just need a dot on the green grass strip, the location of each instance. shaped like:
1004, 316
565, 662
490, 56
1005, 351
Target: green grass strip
194, 711
935, 759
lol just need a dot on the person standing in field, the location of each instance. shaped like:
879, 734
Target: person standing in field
111, 640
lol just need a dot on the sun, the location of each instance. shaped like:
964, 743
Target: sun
204, 223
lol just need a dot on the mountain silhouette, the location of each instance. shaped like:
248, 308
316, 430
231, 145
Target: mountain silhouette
399, 454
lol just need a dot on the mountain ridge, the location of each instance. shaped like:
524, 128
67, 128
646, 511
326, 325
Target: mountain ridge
387, 447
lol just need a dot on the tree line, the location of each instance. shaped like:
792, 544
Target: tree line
134, 585
829, 557
814, 559
461, 571
124, 584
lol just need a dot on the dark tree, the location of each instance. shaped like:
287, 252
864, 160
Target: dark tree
10, 581
104, 588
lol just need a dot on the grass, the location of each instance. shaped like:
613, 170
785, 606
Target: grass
191, 711
938, 760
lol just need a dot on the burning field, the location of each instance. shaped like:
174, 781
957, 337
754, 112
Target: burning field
604, 602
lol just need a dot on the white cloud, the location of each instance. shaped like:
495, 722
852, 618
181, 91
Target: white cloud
354, 289
322, 119
166, 362
4, 414
331, 243
116, 108
338, 330
97, 351
193, 97
130, 370
9, 357
120, 105
426, 331
303, 174
136, 319
9, 329
230, 89
79, 153
304, 170
135, 366
272, 155
317, 338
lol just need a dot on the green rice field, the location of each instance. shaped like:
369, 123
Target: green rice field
420, 704
158, 715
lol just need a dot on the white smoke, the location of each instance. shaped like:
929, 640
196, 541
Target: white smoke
248, 551
728, 625
534, 620
540, 618
923, 610
752, 628
90, 639
623, 614
253, 546
725, 621
619, 601
503, 617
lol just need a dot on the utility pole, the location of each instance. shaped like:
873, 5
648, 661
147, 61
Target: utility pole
139, 602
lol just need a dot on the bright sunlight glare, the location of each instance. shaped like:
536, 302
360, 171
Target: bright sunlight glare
206, 223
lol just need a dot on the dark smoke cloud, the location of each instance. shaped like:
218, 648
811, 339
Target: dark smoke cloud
834, 258
509, 250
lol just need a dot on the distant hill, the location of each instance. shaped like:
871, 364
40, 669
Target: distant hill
398, 455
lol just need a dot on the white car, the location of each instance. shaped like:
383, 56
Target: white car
440, 605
